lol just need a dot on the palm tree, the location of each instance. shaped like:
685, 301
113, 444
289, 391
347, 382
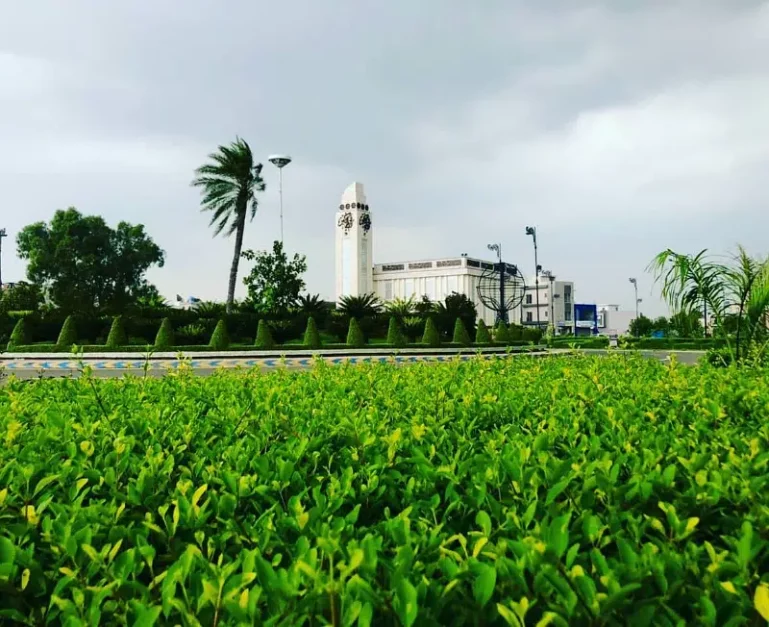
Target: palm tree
311, 304
359, 306
740, 288
230, 182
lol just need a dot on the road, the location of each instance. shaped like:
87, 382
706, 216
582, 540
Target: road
29, 368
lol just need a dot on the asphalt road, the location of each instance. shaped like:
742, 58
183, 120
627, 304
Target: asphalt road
32, 369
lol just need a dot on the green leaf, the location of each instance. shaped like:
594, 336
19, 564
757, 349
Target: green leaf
558, 534
554, 492
405, 602
7, 551
43, 483
483, 520
485, 581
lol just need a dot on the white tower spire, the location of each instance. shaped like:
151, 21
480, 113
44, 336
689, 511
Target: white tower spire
354, 265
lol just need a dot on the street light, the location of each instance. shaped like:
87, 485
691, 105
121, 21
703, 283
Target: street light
280, 162
3, 233
551, 276
497, 248
637, 300
532, 230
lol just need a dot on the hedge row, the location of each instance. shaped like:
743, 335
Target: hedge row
165, 339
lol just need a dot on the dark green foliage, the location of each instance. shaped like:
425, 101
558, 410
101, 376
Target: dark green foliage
117, 335
455, 306
67, 335
19, 335
220, 339
274, 282
311, 336
482, 334
431, 336
264, 336
359, 307
395, 335
164, 340
461, 336
355, 337
516, 332
502, 334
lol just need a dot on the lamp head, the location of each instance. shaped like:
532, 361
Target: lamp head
531, 230
633, 281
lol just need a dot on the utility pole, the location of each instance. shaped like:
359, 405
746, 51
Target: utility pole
502, 313
280, 162
532, 230
3, 233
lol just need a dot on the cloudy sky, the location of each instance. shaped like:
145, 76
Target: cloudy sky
617, 128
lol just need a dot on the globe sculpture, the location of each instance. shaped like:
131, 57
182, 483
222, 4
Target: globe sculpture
501, 288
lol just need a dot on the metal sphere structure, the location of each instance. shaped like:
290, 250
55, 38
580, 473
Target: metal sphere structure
501, 289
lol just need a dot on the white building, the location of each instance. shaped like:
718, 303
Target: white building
612, 321
356, 274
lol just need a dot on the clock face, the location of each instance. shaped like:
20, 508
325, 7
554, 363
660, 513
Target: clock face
346, 221
365, 222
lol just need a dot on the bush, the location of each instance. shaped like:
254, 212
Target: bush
311, 337
117, 335
164, 340
19, 334
263, 336
482, 336
355, 337
461, 336
431, 336
395, 337
67, 335
220, 339
502, 334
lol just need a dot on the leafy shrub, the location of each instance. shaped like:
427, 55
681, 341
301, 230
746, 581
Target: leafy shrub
311, 336
461, 336
220, 339
355, 337
431, 336
186, 476
395, 337
194, 333
164, 340
501, 334
67, 335
117, 335
263, 336
482, 336
19, 335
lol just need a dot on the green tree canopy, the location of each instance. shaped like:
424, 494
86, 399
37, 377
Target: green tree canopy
84, 265
22, 296
274, 283
641, 326
229, 183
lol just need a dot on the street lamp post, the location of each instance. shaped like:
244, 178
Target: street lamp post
551, 276
532, 230
635, 287
501, 314
280, 162
3, 233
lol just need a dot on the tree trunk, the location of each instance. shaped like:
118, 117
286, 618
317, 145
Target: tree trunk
236, 261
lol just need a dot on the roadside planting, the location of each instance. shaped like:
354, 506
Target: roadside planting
512, 491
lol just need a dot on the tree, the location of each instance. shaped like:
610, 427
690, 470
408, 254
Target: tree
687, 324
21, 296
431, 336
661, 324
641, 326
740, 287
355, 337
395, 337
117, 335
311, 304
165, 337
400, 308
19, 335
67, 335
360, 307
84, 265
461, 336
502, 333
456, 306
264, 336
230, 182
274, 283
220, 339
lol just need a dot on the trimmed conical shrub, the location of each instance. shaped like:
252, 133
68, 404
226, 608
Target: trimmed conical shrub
311, 336
355, 337
220, 339
67, 335
431, 336
263, 336
482, 333
19, 334
165, 337
395, 335
117, 336
461, 336
502, 334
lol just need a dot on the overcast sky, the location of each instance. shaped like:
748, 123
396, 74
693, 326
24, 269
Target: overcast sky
617, 128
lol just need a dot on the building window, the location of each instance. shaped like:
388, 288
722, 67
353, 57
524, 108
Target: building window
388, 290
529, 317
528, 299
567, 314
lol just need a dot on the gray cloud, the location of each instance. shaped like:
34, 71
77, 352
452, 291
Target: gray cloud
618, 131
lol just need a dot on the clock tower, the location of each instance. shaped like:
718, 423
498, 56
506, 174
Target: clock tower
354, 264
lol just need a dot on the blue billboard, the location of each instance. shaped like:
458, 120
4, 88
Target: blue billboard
585, 319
